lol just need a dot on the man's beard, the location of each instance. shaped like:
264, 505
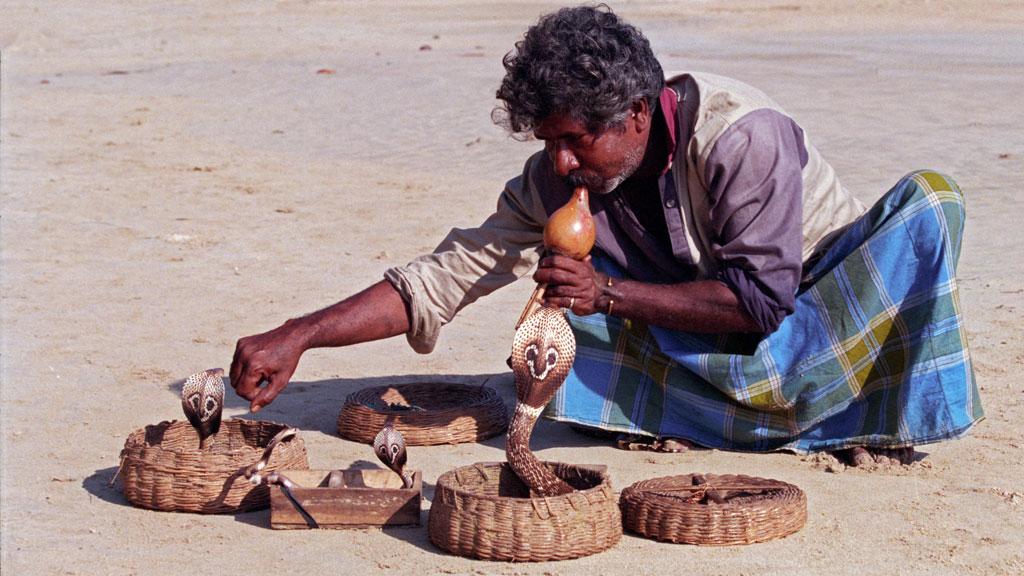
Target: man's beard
595, 185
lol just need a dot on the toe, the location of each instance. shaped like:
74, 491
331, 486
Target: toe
633, 442
859, 456
883, 457
673, 445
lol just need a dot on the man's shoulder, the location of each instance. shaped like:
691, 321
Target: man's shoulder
539, 181
723, 95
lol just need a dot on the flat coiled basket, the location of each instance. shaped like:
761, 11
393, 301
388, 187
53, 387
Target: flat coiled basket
713, 510
484, 511
425, 413
162, 467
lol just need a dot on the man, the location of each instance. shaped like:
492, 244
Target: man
737, 296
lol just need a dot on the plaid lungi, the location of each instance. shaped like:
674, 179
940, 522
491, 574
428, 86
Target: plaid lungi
875, 353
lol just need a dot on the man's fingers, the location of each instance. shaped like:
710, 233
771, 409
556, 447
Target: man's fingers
277, 383
247, 385
558, 276
565, 290
562, 262
235, 373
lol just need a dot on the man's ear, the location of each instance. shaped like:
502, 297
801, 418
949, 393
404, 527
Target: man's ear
641, 113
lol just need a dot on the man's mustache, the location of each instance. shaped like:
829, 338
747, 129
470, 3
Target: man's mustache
576, 179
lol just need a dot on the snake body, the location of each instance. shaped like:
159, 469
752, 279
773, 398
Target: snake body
542, 354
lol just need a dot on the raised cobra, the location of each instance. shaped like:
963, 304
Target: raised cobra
389, 446
542, 354
202, 399
254, 474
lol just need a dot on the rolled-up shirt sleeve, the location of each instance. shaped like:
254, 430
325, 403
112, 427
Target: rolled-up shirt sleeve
755, 188
472, 262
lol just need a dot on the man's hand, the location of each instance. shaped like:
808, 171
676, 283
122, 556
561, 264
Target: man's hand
270, 357
375, 313
572, 284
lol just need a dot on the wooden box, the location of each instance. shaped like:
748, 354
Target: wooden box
364, 498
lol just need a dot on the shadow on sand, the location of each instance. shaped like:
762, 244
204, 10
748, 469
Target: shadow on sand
315, 405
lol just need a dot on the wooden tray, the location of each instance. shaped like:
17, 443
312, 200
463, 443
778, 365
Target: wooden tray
365, 498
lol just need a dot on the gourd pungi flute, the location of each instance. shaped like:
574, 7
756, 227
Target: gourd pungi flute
570, 232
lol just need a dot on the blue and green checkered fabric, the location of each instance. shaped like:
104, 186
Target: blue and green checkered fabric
874, 355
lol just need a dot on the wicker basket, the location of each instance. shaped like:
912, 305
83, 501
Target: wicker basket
484, 511
162, 467
425, 413
713, 510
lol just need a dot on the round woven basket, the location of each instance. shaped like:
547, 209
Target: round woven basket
425, 413
484, 511
713, 510
162, 467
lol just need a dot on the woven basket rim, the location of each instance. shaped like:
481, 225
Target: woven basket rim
483, 396
707, 521
452, 413
163, 469
604, 482
641, 490
137, 439
481, 524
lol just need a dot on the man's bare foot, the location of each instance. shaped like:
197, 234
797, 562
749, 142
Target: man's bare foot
664, 444
866, 456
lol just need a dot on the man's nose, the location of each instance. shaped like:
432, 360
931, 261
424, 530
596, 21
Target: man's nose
564, 160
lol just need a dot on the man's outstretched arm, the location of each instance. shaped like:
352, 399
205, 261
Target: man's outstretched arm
373, 314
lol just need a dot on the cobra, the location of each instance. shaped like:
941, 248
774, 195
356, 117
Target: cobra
389, 446
202, 399
542, 354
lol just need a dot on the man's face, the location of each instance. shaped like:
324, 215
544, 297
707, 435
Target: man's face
599, 161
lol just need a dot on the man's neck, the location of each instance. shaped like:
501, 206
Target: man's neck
655, 156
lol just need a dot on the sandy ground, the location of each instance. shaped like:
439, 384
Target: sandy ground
178, 175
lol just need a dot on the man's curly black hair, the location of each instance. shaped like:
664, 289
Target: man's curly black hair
582, 61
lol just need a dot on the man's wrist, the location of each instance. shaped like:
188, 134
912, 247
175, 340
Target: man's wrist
302, 331
611, 294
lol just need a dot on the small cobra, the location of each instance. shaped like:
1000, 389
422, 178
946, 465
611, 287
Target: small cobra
252, 472
202, 399
542, 354
389, 446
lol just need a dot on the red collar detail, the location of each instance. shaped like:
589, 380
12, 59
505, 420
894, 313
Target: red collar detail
669, 103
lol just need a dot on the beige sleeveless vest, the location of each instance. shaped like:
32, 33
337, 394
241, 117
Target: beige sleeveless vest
827, 207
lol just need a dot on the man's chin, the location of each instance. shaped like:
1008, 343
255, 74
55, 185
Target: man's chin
605, 186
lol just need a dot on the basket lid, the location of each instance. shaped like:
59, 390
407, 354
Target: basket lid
715, 510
